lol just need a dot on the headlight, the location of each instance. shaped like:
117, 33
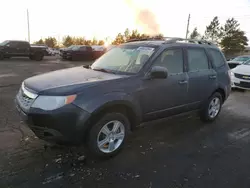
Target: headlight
52, 102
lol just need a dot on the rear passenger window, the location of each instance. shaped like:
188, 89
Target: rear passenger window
217, 57
172, 60
22, 45
197, 60
82, 48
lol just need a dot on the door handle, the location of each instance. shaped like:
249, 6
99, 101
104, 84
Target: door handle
212, 76
183, 82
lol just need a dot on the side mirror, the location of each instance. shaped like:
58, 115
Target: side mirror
7, 45
158, 72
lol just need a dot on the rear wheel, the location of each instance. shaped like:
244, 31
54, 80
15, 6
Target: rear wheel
212, 108
108, 135
38, 56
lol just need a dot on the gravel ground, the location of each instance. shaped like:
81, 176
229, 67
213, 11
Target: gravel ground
181, 152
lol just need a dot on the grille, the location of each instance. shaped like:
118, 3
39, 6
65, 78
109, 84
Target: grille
242, 76
243, 84
24, 100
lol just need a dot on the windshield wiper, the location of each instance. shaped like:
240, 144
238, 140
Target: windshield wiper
103, 70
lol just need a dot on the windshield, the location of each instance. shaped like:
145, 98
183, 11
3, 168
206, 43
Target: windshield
75, 48
4, 43
72, 46
247, 62
126, 59
241, 59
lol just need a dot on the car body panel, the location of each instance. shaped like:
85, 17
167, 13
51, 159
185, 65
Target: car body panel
148, 98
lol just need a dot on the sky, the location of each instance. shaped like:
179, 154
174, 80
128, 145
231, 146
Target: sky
101, 19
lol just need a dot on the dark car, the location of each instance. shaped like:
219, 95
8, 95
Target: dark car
77, 52
130, 84
11, 48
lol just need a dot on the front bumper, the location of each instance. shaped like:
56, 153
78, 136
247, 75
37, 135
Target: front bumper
65, 55
240, 83
64, 125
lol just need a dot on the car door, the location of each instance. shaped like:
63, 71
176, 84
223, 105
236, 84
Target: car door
81, 53
23, 48
164, 97
202, 79
11, 48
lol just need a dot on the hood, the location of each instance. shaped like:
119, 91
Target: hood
242, 69
235, 62
67, 80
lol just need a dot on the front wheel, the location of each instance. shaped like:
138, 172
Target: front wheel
108, 135
212, 108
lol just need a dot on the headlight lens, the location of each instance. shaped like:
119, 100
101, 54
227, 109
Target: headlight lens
52, 102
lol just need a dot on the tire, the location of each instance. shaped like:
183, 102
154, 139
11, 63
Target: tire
95, 134
31, 57
1, 56
207, 114
38, 56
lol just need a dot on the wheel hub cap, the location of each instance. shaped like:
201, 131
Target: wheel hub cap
111, 136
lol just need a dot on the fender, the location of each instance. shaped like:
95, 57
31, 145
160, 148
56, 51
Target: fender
114, 98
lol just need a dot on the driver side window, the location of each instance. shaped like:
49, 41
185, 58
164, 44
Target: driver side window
171, 59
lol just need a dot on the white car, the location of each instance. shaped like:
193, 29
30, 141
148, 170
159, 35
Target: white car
240, 76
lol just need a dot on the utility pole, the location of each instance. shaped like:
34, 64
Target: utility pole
28, 22
187, 26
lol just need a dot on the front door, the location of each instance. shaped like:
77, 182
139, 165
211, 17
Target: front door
164, 97
202, 78
11, 48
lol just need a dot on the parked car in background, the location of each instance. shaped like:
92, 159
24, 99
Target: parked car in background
130, 84
98, 51
240, 76
78, 52
238, 61
14, 48
53, 51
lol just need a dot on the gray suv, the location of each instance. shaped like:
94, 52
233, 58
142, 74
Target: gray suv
136, 82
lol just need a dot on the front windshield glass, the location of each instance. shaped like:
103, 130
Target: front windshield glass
4, 43
247, 62
242, 59
126, 59
72, 46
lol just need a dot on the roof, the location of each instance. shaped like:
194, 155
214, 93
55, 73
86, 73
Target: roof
173, 42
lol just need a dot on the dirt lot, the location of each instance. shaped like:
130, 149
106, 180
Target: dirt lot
174, 153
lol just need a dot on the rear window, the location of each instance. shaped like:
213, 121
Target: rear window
197, 59
217, 57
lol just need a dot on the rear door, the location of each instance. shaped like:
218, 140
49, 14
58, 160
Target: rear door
202, 80
23, 48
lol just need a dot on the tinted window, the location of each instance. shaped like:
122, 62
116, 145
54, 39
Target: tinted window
172, 60
22, 45
13, 44
217, 57
197, 59
83, 48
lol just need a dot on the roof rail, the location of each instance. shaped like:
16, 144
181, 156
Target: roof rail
196, 41
174, 40
144, 39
